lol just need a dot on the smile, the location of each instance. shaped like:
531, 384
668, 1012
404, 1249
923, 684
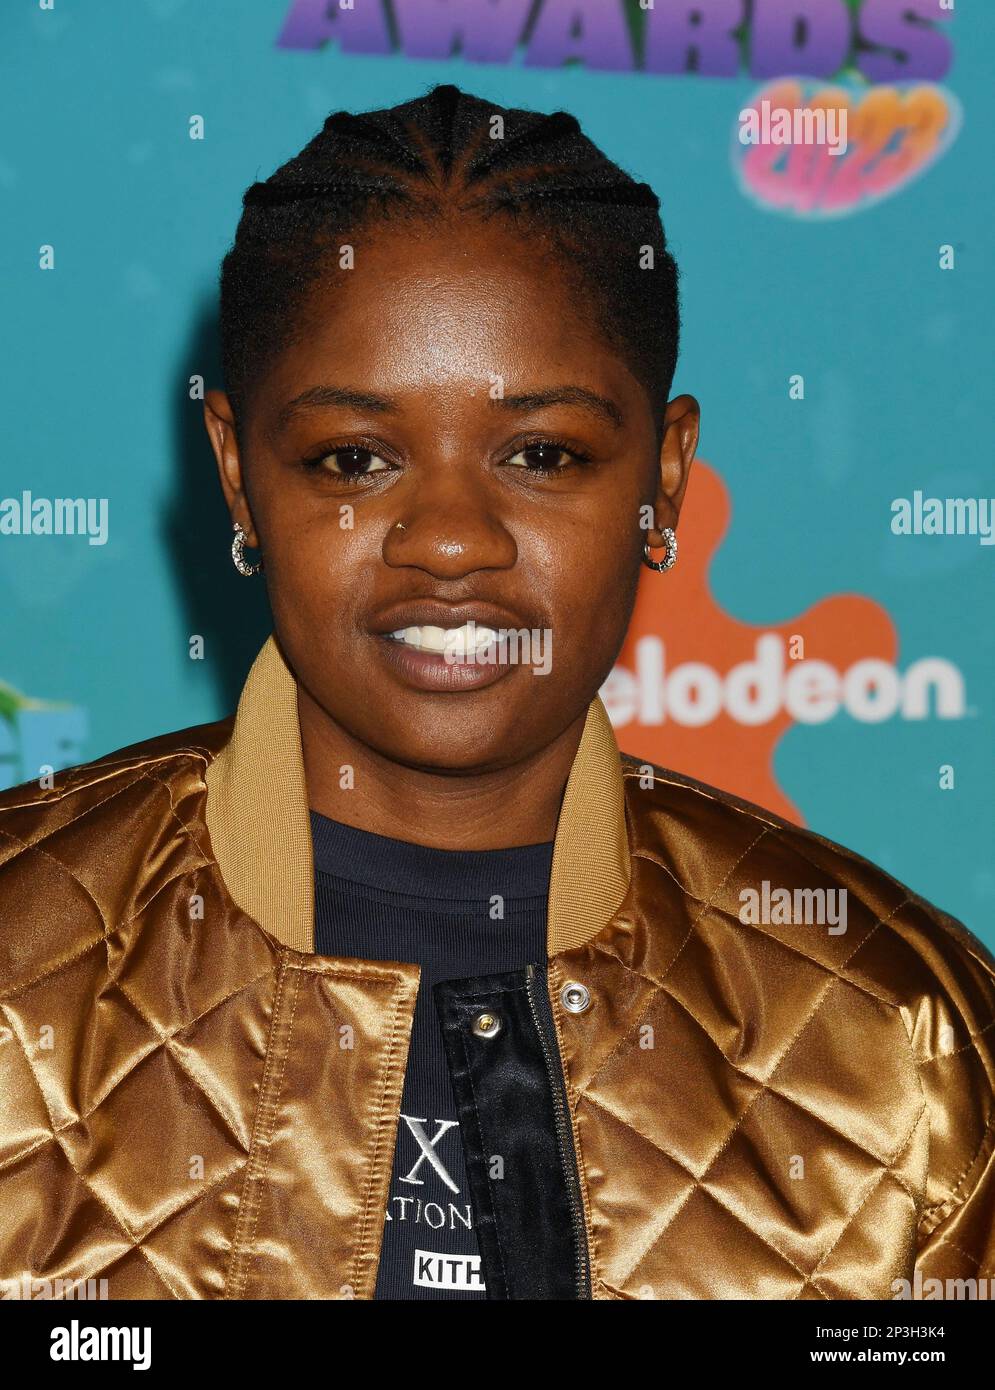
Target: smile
446, 659
457, 642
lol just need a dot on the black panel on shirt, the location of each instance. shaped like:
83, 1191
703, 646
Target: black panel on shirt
456, 913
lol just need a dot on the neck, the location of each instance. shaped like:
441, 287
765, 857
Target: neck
484, 810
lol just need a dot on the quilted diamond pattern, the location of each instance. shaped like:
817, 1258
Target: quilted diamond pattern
136, 1106
773, 1084
188, 1108
760, 1109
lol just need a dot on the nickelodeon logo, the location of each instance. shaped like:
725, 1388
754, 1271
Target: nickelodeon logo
758, 690
698, 690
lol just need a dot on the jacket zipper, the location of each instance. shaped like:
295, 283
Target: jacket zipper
568, 1157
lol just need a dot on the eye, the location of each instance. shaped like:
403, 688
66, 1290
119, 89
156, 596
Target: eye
351, 462
543, 457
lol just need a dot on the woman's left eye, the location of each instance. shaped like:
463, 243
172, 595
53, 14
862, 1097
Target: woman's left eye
542, 458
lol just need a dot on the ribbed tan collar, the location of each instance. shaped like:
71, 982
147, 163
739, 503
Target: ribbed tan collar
257, 817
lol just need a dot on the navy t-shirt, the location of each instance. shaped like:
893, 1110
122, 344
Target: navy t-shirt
456, 913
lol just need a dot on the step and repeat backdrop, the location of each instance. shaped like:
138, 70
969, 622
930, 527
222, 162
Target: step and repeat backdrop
825, 645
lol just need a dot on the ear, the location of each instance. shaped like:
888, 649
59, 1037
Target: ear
681, 428
219, 421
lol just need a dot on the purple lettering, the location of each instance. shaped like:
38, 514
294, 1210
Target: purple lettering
799, 38
311, 23
686, 37
786, 37
913, 48
484, 31
594, 31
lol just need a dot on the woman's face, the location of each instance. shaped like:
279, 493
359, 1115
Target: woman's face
455, 382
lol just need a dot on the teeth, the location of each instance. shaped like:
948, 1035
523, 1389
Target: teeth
457, 641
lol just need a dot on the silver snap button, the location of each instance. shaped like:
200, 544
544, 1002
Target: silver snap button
575, 997
486, 1025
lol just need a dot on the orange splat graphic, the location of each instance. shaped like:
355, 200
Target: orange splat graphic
679, 609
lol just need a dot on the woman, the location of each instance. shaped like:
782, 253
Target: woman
403, 983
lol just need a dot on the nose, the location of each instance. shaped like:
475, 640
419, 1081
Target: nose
449, 527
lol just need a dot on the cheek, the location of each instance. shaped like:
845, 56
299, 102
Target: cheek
315, 566
603, 602
588, 569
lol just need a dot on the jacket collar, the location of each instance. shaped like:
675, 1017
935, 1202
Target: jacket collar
257, 817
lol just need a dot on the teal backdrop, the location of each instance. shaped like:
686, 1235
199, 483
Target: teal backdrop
105, 331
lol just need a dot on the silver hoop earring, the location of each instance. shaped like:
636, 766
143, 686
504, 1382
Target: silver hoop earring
669, 560
238, 554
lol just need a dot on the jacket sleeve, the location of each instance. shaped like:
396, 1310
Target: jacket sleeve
953, 1036
961, 1243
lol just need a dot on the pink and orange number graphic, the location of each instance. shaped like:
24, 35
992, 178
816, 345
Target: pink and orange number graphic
893, 135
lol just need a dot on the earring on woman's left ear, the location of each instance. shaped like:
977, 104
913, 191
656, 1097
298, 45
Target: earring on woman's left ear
670, 559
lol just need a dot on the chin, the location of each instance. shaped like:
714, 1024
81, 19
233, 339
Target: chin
456, 742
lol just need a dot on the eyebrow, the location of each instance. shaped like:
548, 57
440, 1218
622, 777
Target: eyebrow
321, 397
601, 406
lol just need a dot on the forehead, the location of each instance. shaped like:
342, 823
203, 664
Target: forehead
450, 303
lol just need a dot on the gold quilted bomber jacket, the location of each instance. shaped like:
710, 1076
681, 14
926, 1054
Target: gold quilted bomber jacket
768, 1110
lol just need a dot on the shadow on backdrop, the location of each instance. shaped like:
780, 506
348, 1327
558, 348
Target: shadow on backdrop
230, 612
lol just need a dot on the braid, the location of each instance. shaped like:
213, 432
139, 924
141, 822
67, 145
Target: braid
429, 157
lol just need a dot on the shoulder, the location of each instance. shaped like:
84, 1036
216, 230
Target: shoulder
805, 907
164, 752
83, 849
39, 809
724, 850
673, 818
878, 1001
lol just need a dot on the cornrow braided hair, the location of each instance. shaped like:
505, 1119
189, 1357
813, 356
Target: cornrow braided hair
442, 153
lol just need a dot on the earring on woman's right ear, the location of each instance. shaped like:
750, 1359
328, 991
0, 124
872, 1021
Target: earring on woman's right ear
238, 554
